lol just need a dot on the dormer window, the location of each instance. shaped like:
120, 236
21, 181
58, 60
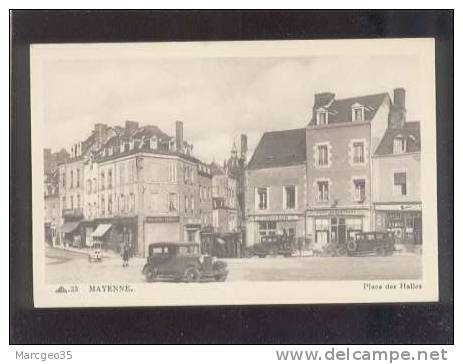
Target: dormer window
322, 117
153, 143
358, 113
400, 145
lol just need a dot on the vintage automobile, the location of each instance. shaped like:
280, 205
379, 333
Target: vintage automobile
277, 244
94, 252
368, 243
182, 262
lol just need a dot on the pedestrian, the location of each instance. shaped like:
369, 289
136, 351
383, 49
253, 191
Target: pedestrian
125, 256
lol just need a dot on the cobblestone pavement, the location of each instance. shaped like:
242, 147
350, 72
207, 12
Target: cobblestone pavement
72, 267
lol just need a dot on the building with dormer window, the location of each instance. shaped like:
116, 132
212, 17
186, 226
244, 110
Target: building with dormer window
341, 137
397, 178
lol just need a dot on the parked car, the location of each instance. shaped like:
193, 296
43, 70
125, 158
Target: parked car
378, 243
182, 262
277, 244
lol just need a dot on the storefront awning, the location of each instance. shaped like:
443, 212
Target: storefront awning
69, 227
101, 230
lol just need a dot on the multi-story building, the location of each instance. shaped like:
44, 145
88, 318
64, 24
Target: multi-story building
74, 228
52, 212
205, 195
143, 187
341, 137
51, 194
396, 177
224, 199
276, 186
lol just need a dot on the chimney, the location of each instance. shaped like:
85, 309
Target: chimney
244, 146
100, 132
131, 126
397, 113
179, 136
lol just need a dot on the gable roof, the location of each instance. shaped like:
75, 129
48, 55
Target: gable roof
340, 111
410, 131
279, 149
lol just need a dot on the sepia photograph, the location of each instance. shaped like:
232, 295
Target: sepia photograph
258, 172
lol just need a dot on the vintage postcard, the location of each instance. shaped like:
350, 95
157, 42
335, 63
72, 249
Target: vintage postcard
228, 173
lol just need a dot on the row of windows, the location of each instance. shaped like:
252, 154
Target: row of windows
262, 198
358, 114
74, 179
322, 192
322, 154
74, 202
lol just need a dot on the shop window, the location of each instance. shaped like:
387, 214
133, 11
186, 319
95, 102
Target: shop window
359, 187
322, 155
172, 202
290, 197
267, 228
323, 190
400, 184
262, 198
322, 228
400, 145
359, 152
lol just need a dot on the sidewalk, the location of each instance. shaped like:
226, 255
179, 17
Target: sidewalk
106, 253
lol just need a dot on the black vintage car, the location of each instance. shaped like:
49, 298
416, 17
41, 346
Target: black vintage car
182, 262
369, 243
277, 244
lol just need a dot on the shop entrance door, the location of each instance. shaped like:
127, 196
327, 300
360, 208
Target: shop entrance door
341, 231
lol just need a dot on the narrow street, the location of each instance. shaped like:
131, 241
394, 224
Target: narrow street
71, 267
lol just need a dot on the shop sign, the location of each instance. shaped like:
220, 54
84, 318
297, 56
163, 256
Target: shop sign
161, 219
276, 218
399, 207
335, 212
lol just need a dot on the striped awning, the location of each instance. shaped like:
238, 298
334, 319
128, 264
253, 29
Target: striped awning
101, 230
69, 227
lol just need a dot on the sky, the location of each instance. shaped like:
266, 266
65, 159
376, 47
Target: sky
216, 98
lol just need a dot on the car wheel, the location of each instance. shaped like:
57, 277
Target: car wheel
221, 278
151, 276
192, 274
351, 246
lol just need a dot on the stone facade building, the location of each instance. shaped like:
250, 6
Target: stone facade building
341, 138
276, 186
397, 178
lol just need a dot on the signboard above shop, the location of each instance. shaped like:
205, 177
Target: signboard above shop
161, 219
336, 212
276, 217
